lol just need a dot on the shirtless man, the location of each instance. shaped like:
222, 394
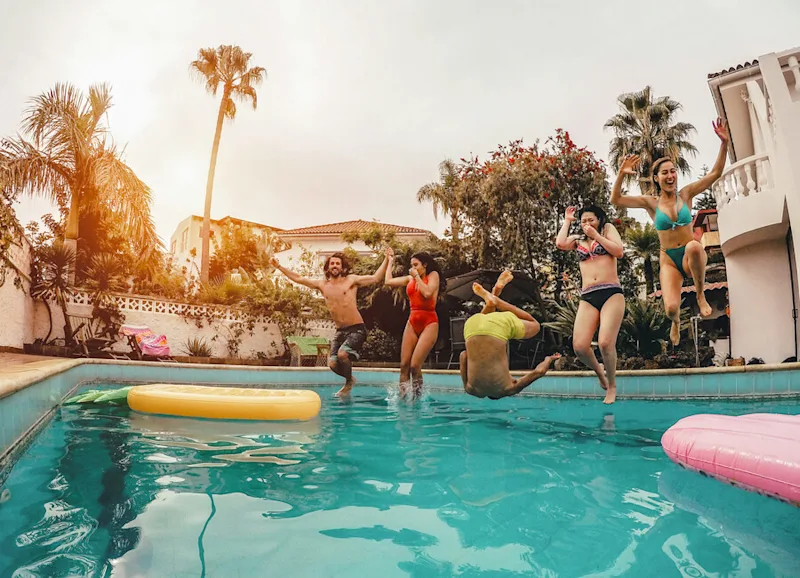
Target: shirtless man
339, 290
486, 335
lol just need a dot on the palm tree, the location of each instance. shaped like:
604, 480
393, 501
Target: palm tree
643, 242
646, 327
444, 196
70, 158
646, 126
229, 67
564, 322
56, 262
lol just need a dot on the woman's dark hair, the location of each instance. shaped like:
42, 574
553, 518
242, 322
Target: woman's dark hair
431, 265
342, 258
654, 171
597, 212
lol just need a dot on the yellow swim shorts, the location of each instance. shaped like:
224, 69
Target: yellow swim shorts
500, 324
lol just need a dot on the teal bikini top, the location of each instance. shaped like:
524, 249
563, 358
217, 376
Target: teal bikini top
663, 222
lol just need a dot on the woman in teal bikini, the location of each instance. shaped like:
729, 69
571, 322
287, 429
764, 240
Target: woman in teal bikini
670, 209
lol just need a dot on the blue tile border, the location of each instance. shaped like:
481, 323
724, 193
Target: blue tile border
29, 397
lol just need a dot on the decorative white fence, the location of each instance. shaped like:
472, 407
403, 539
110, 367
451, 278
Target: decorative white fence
749, 176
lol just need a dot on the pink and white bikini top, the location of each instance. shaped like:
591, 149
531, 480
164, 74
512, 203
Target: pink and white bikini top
596, 250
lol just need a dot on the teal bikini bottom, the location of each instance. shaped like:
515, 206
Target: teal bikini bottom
676, 255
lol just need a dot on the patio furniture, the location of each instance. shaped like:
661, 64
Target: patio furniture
88, 341
457, 341
146, 345
308, 351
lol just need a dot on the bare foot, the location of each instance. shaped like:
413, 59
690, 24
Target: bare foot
504, 279
611, 395
602, 377
348, 387
705, 308
478, 289
675, 333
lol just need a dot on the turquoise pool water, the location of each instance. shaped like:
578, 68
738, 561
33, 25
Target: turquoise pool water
447, 486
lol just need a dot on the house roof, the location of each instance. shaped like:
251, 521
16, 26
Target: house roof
235, 221
733, 69
357, 226
701, 216
693, 289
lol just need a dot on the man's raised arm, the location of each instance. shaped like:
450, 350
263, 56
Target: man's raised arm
312, 283
378, 276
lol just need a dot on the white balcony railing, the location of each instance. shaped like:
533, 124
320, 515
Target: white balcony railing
750, 176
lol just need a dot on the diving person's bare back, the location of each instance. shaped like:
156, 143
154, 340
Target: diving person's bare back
486, 363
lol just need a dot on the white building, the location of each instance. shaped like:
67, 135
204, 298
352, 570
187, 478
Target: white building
758, 199
317, 242
322, 241
185, 243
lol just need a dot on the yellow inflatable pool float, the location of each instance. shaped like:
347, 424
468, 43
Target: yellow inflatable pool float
224, 402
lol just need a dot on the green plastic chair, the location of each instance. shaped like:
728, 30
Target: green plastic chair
308, 351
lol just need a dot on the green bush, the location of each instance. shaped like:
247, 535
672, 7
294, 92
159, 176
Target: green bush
381, 346
198, 347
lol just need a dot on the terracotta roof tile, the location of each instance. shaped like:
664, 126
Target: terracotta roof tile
352, 227
733, 69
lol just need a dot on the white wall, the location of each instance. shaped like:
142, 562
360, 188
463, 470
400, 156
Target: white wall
266, 337
16, 306
760, 294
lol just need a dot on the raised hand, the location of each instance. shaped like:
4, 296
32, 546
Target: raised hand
569, 214
389, 252
274, 262
629, 164
590, 231
413, 272
721, 128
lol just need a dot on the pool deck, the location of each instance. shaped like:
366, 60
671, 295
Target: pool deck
19, 370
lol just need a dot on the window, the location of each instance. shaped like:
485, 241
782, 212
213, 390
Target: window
184, 239
173, 246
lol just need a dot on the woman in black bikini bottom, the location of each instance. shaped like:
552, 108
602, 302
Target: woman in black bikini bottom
602, 303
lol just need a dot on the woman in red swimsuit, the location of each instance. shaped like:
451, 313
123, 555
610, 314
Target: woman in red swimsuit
422, 330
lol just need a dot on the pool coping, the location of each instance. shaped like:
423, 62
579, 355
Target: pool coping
14, 380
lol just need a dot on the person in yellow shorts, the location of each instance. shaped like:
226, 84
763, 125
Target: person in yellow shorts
484, 364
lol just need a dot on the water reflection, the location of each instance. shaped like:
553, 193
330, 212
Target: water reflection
442, 486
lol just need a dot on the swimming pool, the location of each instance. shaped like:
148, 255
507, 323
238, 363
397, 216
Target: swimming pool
446, 486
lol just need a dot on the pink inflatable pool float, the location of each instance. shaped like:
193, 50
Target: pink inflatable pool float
759, 452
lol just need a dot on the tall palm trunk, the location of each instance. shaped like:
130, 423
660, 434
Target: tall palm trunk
455, 226
649, 277
71, 231
205, 233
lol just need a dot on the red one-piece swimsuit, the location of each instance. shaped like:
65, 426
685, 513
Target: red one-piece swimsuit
423, 311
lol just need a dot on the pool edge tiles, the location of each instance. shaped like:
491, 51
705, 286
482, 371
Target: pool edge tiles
25, 411
29, 392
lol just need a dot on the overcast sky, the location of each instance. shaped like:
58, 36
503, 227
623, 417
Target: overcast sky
364, 98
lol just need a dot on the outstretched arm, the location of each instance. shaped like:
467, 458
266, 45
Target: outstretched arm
377, 277
693, 189
620, 200
394, 281
538, 372
610, 239
564, 240
312, 283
